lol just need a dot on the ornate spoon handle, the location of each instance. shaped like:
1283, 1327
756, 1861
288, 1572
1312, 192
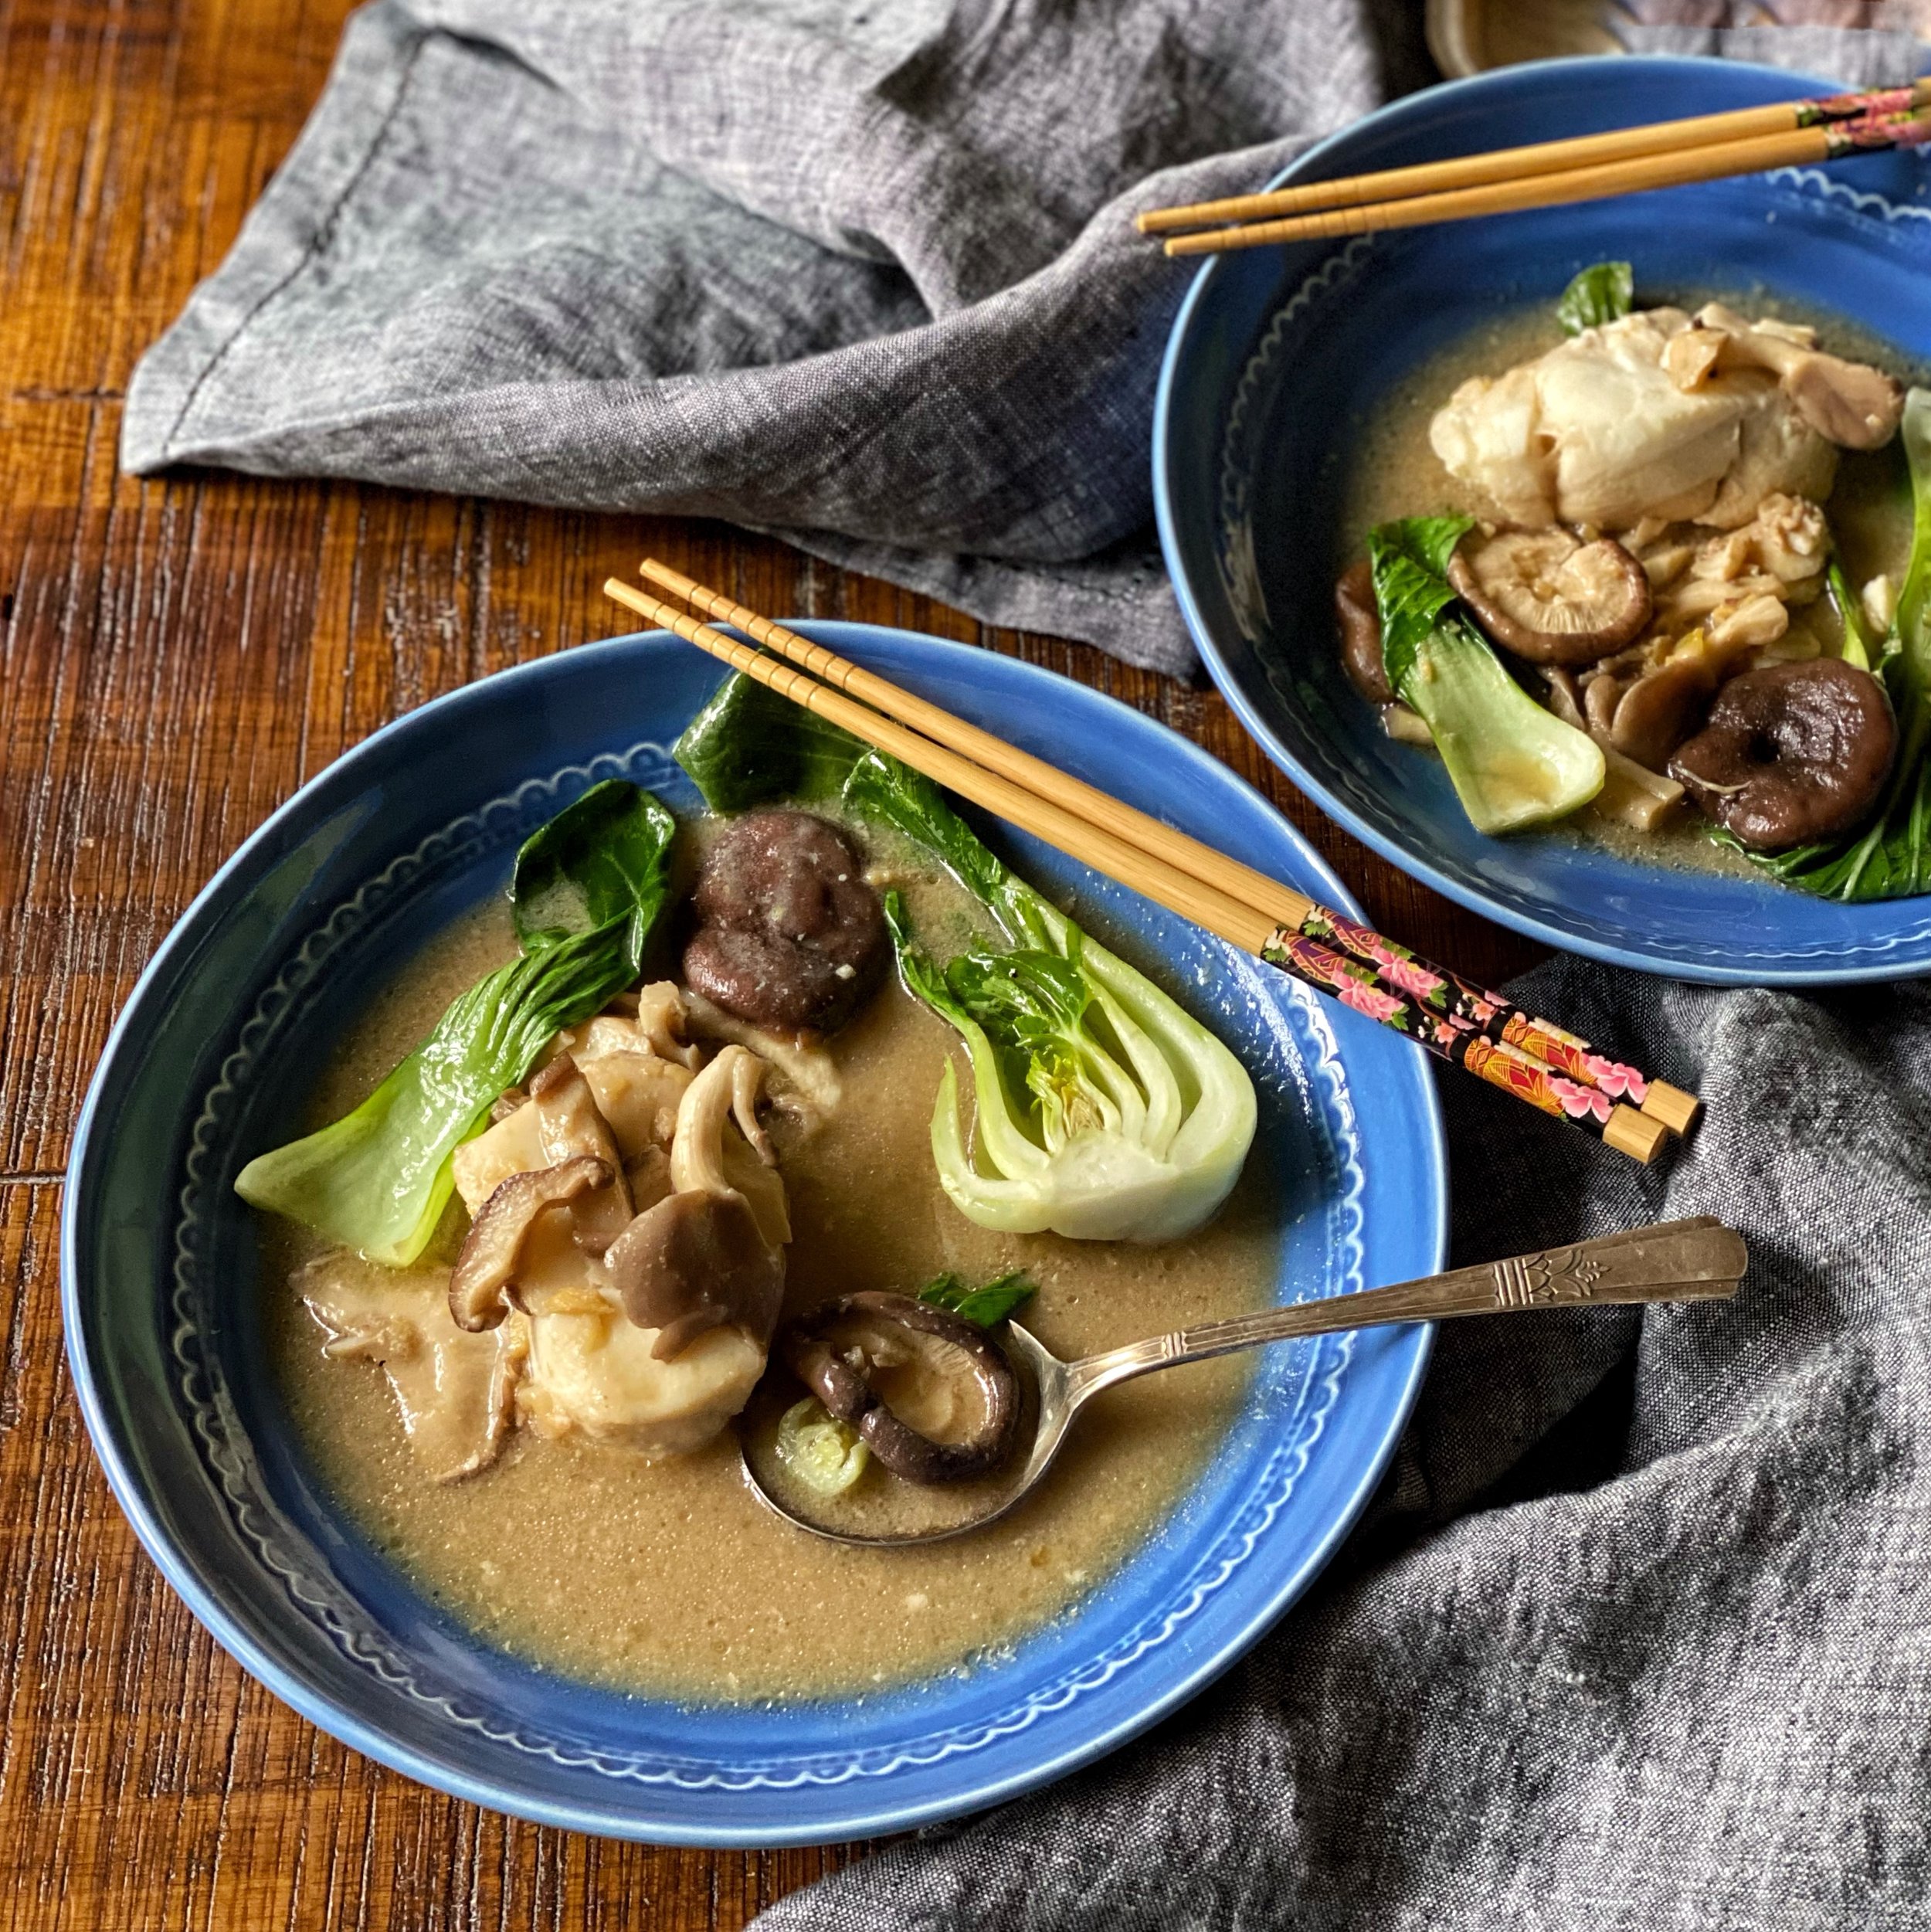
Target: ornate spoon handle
1685, 1261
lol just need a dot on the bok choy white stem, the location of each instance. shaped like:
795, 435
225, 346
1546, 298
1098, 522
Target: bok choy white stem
1512, 763
1104, 1111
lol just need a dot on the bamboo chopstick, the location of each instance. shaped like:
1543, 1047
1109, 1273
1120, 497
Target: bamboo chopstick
1466, 1007
1538, 158
1500, 1064
1805, 147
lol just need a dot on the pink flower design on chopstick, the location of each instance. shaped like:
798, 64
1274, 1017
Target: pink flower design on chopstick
1384, 1007
1615, 1079
1411, 978
1578, 1102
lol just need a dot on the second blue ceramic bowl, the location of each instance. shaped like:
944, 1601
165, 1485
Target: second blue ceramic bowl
1279, 356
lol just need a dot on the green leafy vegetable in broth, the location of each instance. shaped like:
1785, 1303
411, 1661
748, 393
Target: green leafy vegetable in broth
595, 867
1104, 1111
1891, 858
1512, 763
1410, 562
589, 888
986, 1306
1857, 649
1606, 292
749, 745
820, 1451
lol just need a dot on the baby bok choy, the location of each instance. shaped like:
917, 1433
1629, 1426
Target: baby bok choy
1104, 1111
1512, 763
587, 890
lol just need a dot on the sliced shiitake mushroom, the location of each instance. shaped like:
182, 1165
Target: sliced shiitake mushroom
485, 1266
569, 1122
1790, 753
1549, 597
1360, 622
841, 1351
693, 1262
1656, 715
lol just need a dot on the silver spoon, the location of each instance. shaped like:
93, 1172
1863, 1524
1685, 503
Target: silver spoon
1685, 1261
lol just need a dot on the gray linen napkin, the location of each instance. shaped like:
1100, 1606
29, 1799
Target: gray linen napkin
1638, 1632
862, 272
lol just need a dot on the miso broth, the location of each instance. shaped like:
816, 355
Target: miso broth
671, 1577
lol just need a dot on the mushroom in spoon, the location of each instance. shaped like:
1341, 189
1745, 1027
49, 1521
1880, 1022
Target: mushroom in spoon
879, 1364
1686, 1260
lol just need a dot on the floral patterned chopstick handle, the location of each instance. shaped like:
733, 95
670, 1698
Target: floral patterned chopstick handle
1480, 1032
1877, 103
1447, 995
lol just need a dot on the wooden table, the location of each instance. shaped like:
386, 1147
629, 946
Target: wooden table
175, 659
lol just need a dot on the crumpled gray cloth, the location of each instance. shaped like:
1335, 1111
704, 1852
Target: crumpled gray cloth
1637, 1637
861, 271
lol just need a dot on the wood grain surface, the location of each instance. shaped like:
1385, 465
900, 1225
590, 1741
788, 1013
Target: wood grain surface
175, 659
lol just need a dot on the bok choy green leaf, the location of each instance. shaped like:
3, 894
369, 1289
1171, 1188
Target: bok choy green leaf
589, 888
1104, 1111
1891, 858
749, 745
1606, 292
985, 1306
1512, 763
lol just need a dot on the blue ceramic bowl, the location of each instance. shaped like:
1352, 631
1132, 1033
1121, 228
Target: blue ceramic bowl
1278, 354
160, 1279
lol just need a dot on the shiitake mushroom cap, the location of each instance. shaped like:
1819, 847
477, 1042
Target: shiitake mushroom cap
844, 1386
1791, 753
789, 936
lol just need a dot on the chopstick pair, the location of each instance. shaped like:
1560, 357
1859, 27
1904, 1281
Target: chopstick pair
1666, 154
1479, 1031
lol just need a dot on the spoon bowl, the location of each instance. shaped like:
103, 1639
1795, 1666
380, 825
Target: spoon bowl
1697, 1260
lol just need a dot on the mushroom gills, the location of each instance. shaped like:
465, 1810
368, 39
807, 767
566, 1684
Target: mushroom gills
1551, 598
